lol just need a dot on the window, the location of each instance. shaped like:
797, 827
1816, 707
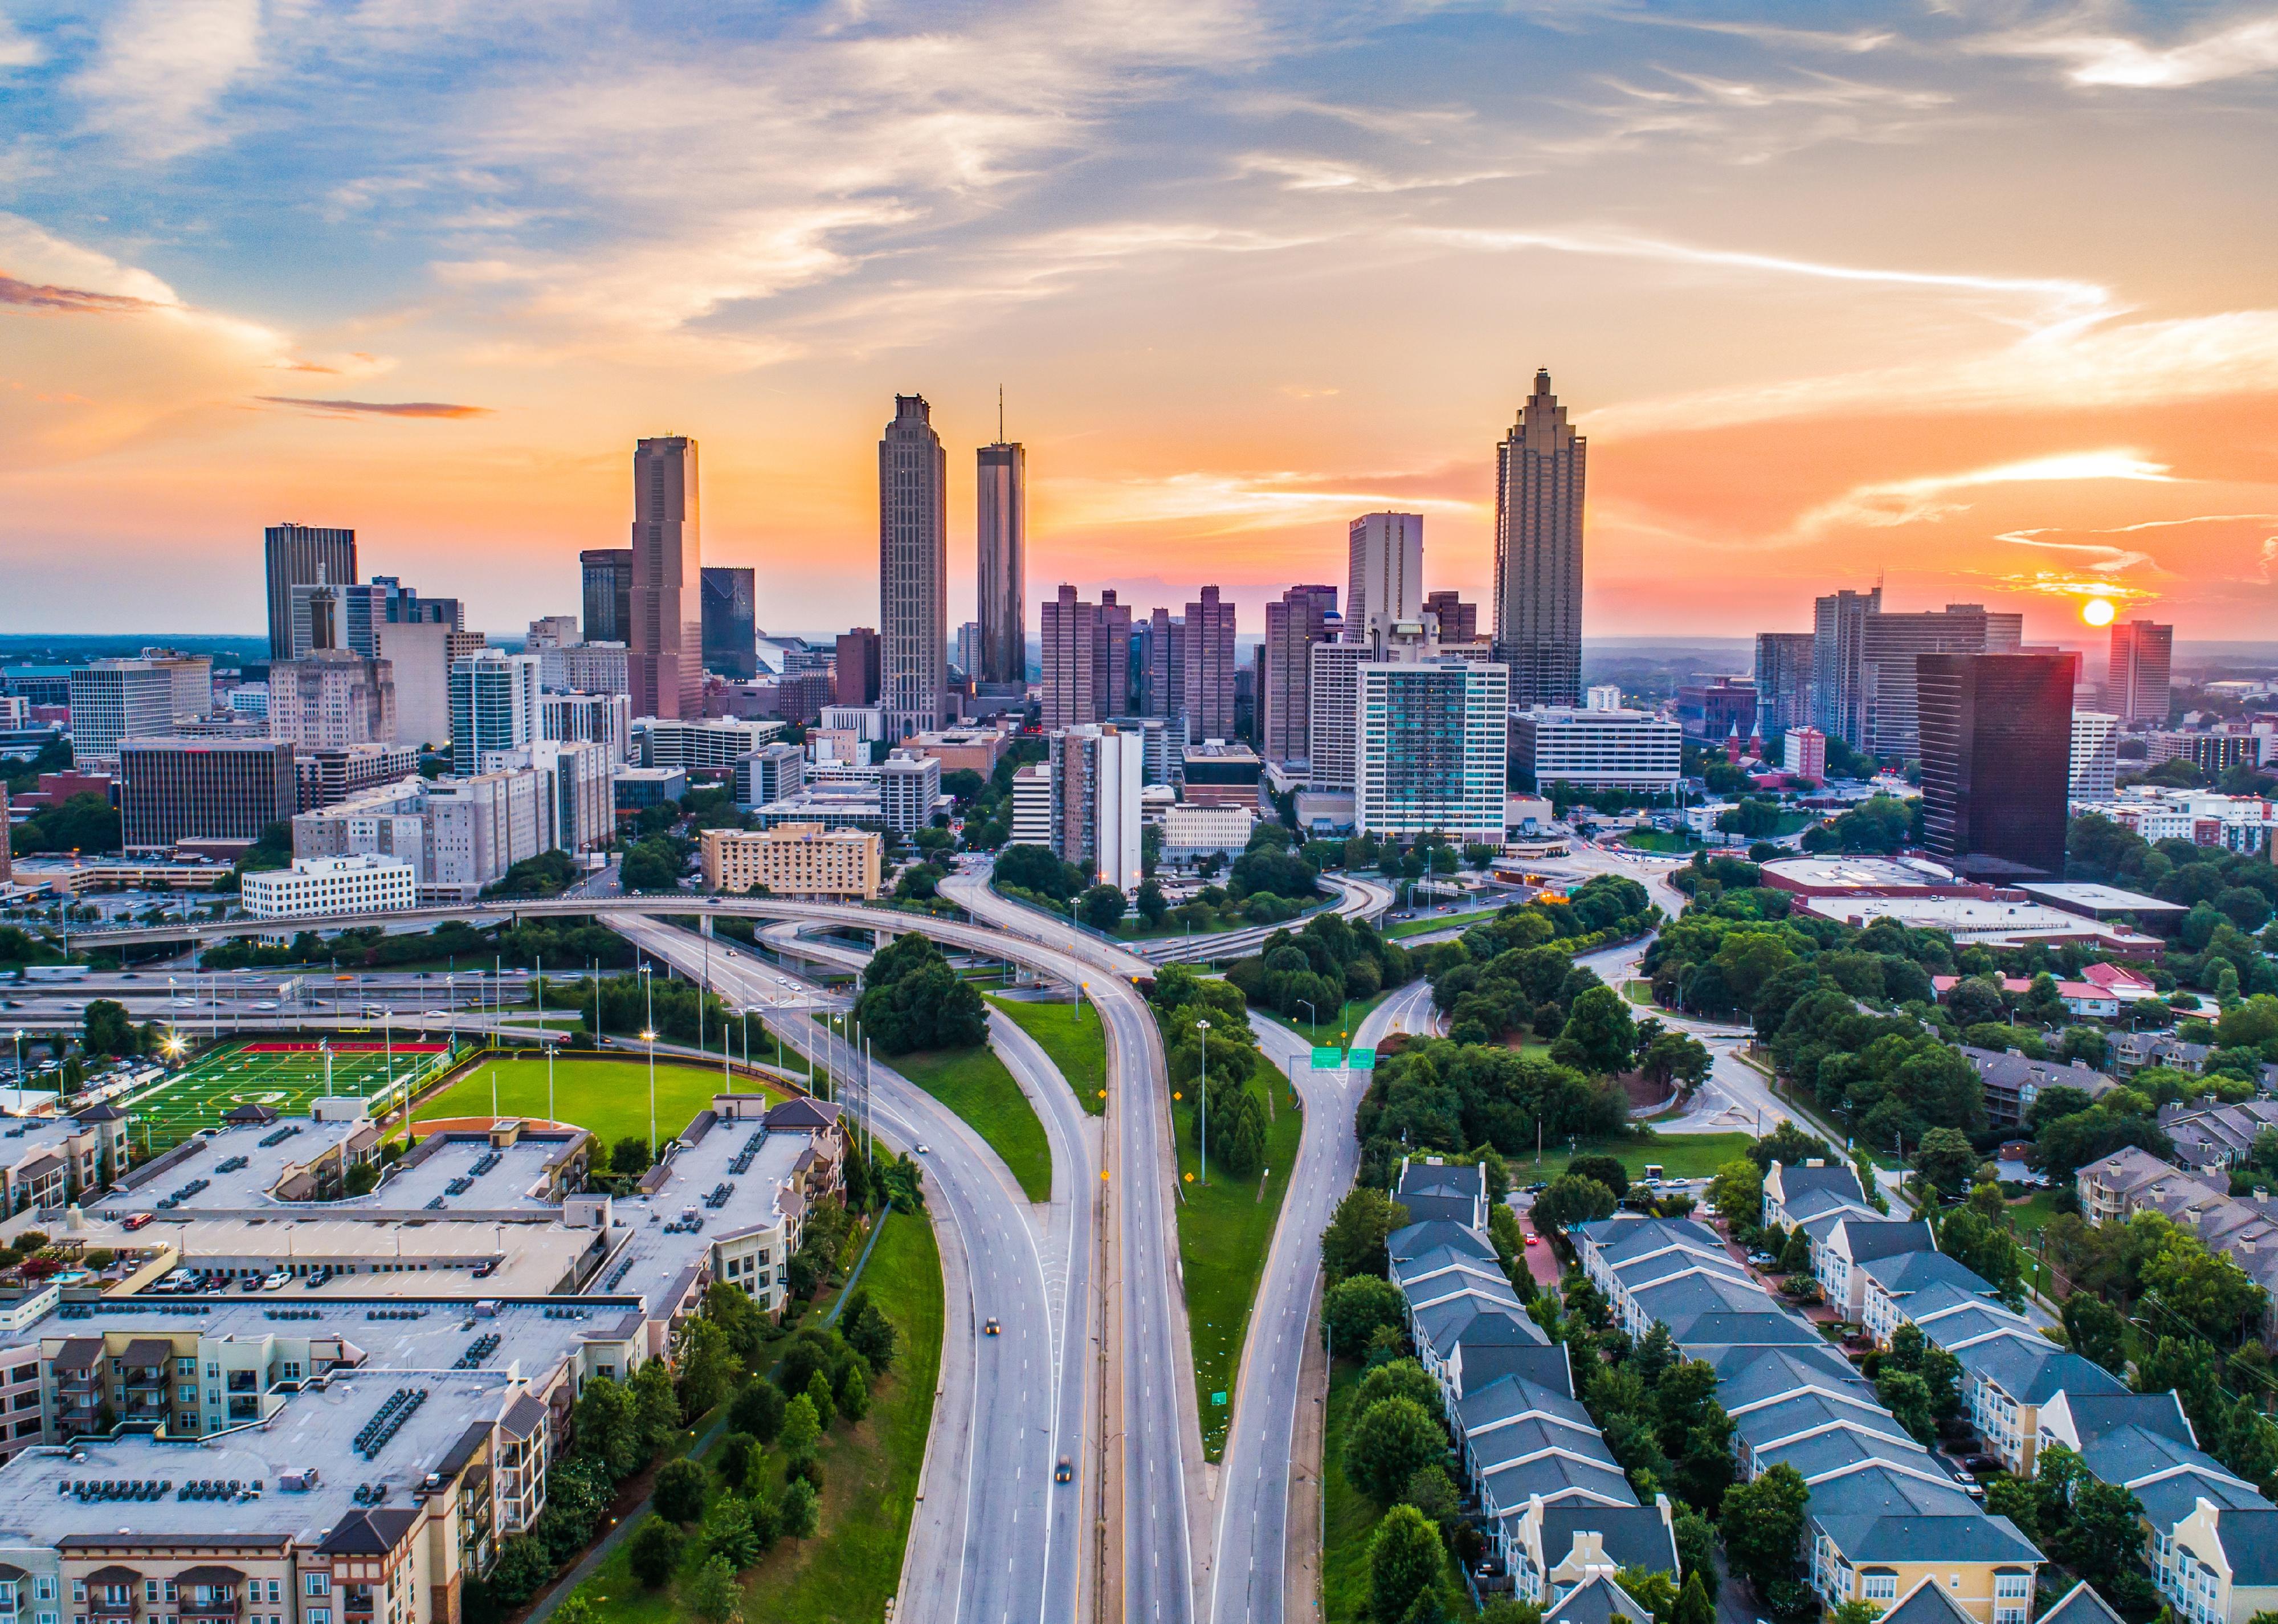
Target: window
320, 1615
150, 1590
276, 1590
316, 1584
1882, 1587
44, 1589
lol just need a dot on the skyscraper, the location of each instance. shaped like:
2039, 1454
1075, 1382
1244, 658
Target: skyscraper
1210, 668
608, 573
1111, 658
2136, 682
1782, 682
1538, 558
1305, 616
1839, 630
1430, 748
494, 706
301, 555
1887, 646
2095, 753
913, 570
854, 673
1384, 578
1459, 622
666, 665
1996, 756
1166, 667
730, 622
1001, 547
1066, 636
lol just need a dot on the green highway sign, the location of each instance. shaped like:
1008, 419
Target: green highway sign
1362, 1060
1328, 1059
1217, 1399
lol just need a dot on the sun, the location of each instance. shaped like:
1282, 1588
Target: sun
2097, 611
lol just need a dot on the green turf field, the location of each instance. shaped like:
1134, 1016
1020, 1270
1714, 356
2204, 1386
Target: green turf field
256, 1073
608, 1098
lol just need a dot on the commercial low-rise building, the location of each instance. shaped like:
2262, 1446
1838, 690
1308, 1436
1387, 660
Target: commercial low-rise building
1632, 750
794, 860
364, 883
1190, 831
704, 744
172, 790
637, 789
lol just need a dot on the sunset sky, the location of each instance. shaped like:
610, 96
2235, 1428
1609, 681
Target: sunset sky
1982, 298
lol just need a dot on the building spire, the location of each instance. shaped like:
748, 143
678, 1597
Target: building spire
1000, 414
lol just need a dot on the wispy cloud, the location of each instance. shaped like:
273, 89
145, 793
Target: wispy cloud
376, 408
81, 301
2242, 48
1888, 503
162, 67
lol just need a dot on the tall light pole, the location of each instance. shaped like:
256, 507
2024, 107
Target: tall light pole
649, 1035
1203, 1027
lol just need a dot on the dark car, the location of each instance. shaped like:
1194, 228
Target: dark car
1064, 1473
989, 1329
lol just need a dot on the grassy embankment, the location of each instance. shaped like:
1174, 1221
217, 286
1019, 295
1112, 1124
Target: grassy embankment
1070, 1034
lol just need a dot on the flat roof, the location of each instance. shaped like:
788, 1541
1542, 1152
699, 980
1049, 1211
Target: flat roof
1973, 917
304, 1140
1828, 873
2098, 900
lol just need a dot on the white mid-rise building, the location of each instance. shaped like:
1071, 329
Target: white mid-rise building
459, 833
364, 884
1604, 696
909, 786
549, 639
589, 718
2095, 758
493, 706
1032, 805
580, 794
2235, 823
770, 773
714, 743
866, 722
1190, 831
1096, 775
1632, 750
1431, 745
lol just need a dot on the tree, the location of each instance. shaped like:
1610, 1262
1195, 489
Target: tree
2096, 1331
1762, 1524
656, 1553
1908, 1399
1405, 1559
607, 1427
709, 1365
1795, 1254
1571, 1200
108, 1030
825, 1401
741, 1461
728, 1534
656, 1407
799, 1513
680, 1490
1353, 1242
2103, 1537
716, 1597
1608, 1170
1402, 1378
1737, 1192
2013, 1497
1389, 1445
1355, 1309
630, 1156
1946, 1158
758, 1410
1430, 1492
1151, 902
1599, 1037
912, 999
869, 1332
1694, 1605
853, 1392
802, 1427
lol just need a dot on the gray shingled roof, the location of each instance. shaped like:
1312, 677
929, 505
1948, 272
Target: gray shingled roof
2081, 1605
1633, 1535
1927, 1604
2032, 1369
1601, 1601
1885, 1237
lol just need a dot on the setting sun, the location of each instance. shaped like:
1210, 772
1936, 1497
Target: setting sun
2097, 611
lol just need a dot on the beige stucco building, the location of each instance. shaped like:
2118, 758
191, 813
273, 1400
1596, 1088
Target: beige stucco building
794, 860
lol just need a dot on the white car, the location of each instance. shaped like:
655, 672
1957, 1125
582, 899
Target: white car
278, 1280
925, 1150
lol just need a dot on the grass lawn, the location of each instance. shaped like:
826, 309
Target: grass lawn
1351, 1520
2029, 1217
1660, 840
1418, 927
610, 1098
973, 1083
1639, 992
287, 1073
1345, 1022
1070, 1034
1681, 1155
1225, 1228
870, 1475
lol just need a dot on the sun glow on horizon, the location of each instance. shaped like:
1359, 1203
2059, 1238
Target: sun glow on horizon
2098, 611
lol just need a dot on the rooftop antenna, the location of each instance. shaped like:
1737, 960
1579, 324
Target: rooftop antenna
1000, 414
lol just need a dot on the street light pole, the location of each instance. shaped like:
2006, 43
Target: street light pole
1203, 1027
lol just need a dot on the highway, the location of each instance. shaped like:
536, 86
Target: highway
1357, 898
1155, 1434
1252, 1535
994, 1538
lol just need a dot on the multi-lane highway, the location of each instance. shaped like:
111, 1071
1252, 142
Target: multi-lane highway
996, 1537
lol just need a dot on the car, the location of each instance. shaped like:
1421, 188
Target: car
1535, 1189
1065, 1472
266, 1003
925, 1150
485, 1269
135, 1220
1533, 1240
277, 1282
437, 1014
990, 1327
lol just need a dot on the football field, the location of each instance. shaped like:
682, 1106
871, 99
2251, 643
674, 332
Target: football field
285, 1076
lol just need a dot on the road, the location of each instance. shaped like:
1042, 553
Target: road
995, 1538
1251, 1538
1155, 1438
1357, 898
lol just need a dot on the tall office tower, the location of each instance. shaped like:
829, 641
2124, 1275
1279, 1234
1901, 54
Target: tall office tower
965, 648
172, 790
912, 571
332, 698
1887, 646
607, 572
422, 654
731, 620
1305, 616
1001, 547
494, 706
1111, 658
854, 671
1067, 635
1210, 668
551, 639
1782, 682
112, 701
2136, 682
1996, 757
1538, 561
1096, 774
1432, 741
1166, 666
2095, 752
666, 664
301, 555
396, 604
1459, 622
1838, 633
1384, 579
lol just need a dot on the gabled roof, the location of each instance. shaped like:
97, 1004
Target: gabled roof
1879, 1513
1840, 1176
2250, 1541
369, 1533
1424, 1177
1444, 1326
2081, 1605
1439, 1208
1750, 1373
1601, 1601
1413, 1240
1865, 1239
1487, 1357
1498, 1401
1910, 1272
1845, 1447
2031, 1370
2096, 1418
1815, 1204
1815, 1410
1928, 1603
1556, 1477
1633, 1536
1534, 1437
801, 1114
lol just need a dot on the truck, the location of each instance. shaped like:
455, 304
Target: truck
55, 972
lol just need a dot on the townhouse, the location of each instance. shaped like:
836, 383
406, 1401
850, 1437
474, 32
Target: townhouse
2115, 1188
2216, 1138
1840, 1258
2012, 1081
1885, 1515
1810, 1190
1431, 1187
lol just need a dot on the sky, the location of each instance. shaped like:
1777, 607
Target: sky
1976, 299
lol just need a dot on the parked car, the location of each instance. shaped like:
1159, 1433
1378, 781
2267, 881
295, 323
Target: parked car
135, 1220
278, 1280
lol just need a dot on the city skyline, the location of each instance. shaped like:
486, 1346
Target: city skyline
478, 287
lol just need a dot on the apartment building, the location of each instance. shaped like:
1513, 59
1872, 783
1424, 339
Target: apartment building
794, 860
